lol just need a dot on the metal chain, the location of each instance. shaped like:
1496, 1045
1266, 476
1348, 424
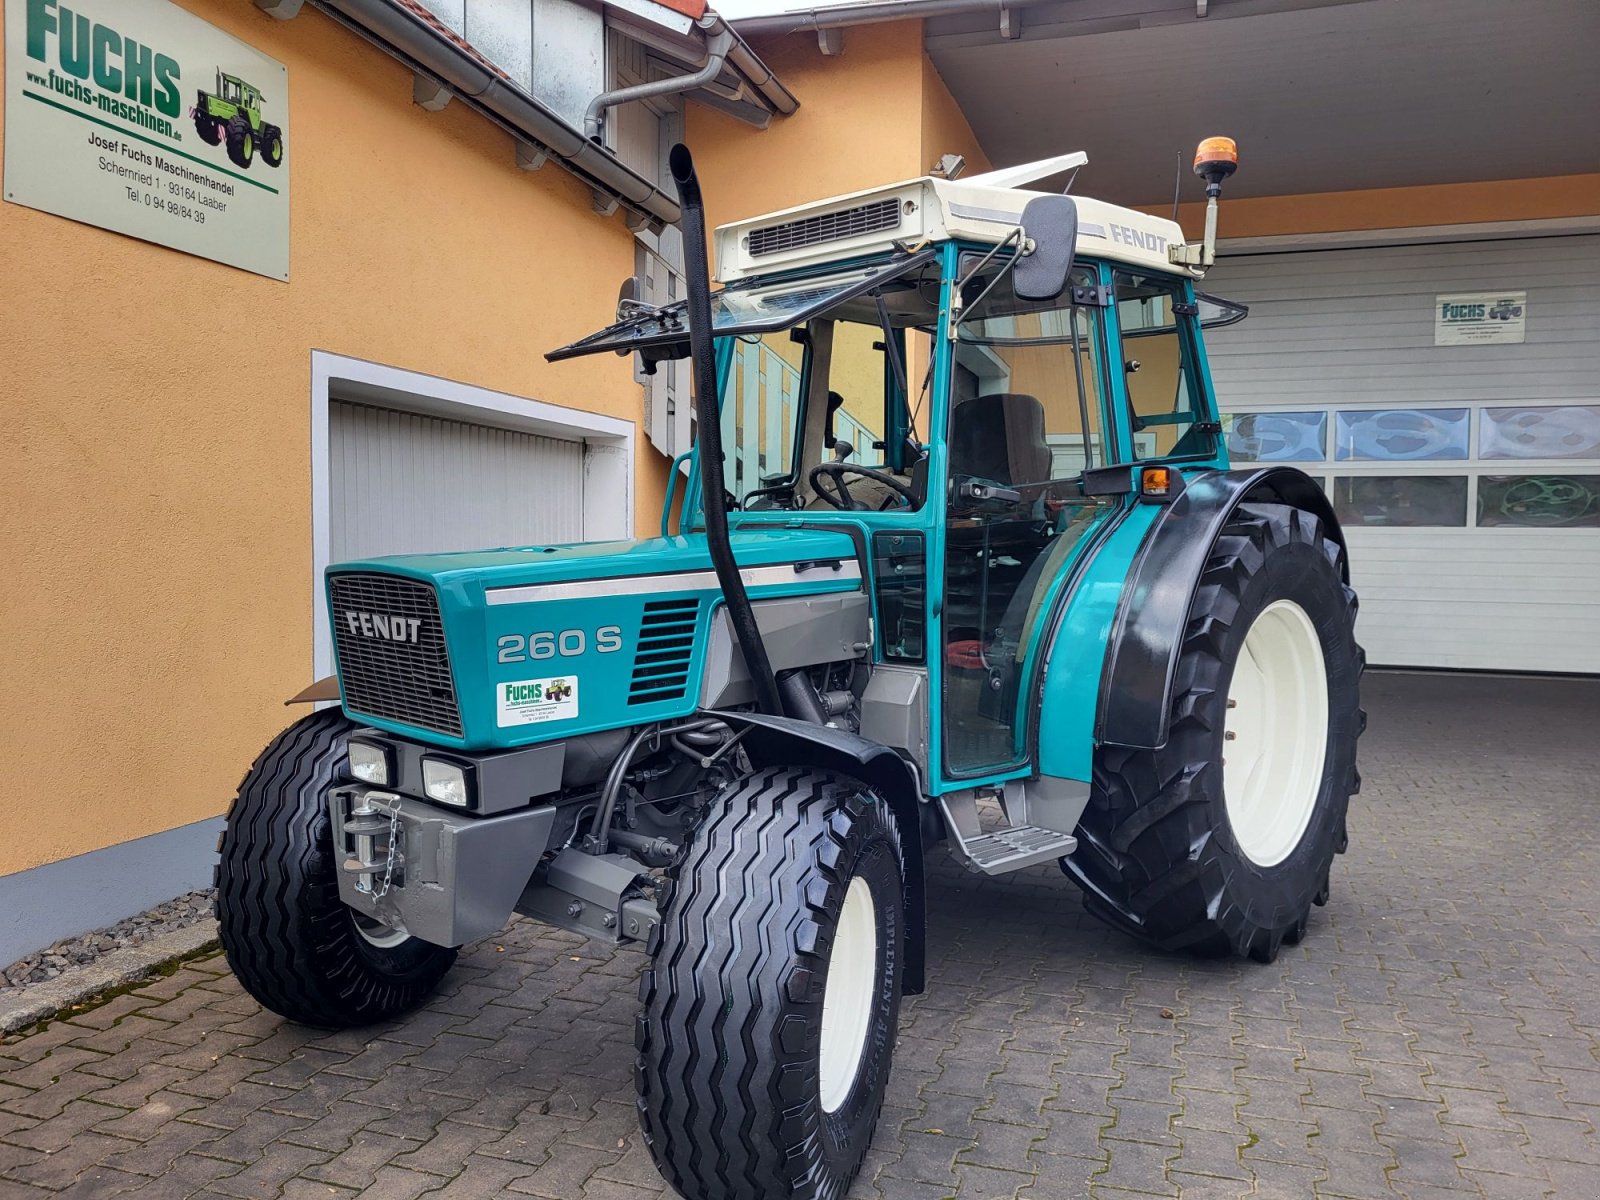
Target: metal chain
394, 836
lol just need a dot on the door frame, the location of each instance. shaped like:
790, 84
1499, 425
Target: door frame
608, 452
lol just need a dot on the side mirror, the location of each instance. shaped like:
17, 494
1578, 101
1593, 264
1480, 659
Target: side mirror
1051, 225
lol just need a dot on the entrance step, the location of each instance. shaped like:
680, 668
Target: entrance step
1002, 848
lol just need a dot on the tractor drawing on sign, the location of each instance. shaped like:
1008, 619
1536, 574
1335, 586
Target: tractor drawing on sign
984, 581
232, 115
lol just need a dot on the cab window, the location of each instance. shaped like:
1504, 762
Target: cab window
1167, 405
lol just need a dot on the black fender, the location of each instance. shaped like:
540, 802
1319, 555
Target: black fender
771, 741
1146, 636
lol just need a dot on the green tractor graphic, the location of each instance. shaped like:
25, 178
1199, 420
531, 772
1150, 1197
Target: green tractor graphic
233, 114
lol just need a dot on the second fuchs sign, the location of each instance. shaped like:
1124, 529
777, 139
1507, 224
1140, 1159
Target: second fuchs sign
139, 117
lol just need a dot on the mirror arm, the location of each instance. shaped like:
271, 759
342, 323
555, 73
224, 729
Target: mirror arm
959, 309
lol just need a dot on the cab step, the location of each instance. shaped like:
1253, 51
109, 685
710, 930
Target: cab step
1003, 848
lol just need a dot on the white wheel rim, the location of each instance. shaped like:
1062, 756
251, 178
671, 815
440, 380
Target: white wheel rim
847, 1004
375, 933
1276, 734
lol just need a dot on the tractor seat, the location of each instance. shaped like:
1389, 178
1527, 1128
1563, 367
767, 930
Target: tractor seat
999, 438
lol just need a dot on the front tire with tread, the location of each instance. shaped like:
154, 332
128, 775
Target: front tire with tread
290, 940
730, 1068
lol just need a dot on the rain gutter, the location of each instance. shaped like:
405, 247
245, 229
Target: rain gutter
422, 48
839, 16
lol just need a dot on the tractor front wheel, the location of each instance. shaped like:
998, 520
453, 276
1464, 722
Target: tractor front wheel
773, 991
294, 945
1221, 841
241, 142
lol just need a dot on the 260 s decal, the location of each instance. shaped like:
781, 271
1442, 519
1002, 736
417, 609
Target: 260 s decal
568, 643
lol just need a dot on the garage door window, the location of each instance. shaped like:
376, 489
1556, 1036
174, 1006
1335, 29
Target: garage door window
1564, 431
1278, 436
1401, 500
1401, 434
1539, 501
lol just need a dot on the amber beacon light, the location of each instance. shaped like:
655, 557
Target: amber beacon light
1215, 159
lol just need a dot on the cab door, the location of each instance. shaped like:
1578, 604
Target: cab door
1027, 412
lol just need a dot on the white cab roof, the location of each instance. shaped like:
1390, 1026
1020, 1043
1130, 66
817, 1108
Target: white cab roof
984, 208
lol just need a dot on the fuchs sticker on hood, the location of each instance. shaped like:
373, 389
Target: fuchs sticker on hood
535, 701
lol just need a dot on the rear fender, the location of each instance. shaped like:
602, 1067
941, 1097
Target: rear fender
774, 741
1147, 635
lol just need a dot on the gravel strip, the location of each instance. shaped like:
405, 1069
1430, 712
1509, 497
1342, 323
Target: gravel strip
49, 963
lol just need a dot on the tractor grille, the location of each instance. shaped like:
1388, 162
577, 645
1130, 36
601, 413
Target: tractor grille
394, 678
666, 644
827, 227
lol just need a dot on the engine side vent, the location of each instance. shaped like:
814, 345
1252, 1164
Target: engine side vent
666, 646
873, 217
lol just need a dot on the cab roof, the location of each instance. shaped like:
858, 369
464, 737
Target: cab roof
984, 208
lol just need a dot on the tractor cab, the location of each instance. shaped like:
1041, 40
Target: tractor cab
885, 367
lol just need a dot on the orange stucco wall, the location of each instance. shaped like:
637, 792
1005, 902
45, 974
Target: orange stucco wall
1399, 208
156, 488
876, 114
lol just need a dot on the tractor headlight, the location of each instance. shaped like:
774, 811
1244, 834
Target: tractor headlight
446, 782
370, 763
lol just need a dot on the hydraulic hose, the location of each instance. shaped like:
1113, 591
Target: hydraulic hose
713, 498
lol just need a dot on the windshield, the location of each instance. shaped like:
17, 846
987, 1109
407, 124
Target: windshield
816, 414
748, 306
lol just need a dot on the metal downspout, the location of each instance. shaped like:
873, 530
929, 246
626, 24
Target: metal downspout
716, 56
408, 38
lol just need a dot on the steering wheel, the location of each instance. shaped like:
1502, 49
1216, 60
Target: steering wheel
840, 496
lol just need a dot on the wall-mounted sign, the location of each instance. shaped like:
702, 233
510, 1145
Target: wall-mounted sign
1480, 319
137, 116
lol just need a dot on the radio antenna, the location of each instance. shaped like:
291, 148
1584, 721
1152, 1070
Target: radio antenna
1177, 186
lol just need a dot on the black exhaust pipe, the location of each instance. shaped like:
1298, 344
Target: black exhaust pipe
713, 489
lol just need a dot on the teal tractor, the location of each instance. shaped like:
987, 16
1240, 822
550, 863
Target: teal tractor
959, 561
232, 114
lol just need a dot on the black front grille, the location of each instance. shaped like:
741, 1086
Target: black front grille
393, 663
666, 645
826, 227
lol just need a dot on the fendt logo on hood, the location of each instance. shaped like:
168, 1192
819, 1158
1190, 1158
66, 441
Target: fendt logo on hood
383, 627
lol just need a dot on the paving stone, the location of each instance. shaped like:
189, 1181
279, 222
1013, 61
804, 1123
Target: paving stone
1434, 1037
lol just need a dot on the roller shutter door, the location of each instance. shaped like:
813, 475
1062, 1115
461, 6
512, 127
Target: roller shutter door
404, 483
1468, 477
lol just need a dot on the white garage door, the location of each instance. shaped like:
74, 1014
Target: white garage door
403, 483
1467, 476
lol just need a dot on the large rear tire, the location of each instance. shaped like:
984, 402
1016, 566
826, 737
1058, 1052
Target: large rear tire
1221, 841
290, 940
771, 1000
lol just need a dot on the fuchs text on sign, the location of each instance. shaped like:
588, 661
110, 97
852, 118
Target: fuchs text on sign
1480, 318
139, 117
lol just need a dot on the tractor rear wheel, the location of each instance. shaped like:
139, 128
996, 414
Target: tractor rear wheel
1220, 842
241, 141
272, 145
209, 130
773, 991
294, 945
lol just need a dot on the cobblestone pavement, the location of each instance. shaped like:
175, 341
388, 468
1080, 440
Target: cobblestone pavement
1436, 1036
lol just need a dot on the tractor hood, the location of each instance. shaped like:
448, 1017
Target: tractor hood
501, 648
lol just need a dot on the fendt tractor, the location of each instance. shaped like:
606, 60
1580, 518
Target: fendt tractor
233, 114
1029, 613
